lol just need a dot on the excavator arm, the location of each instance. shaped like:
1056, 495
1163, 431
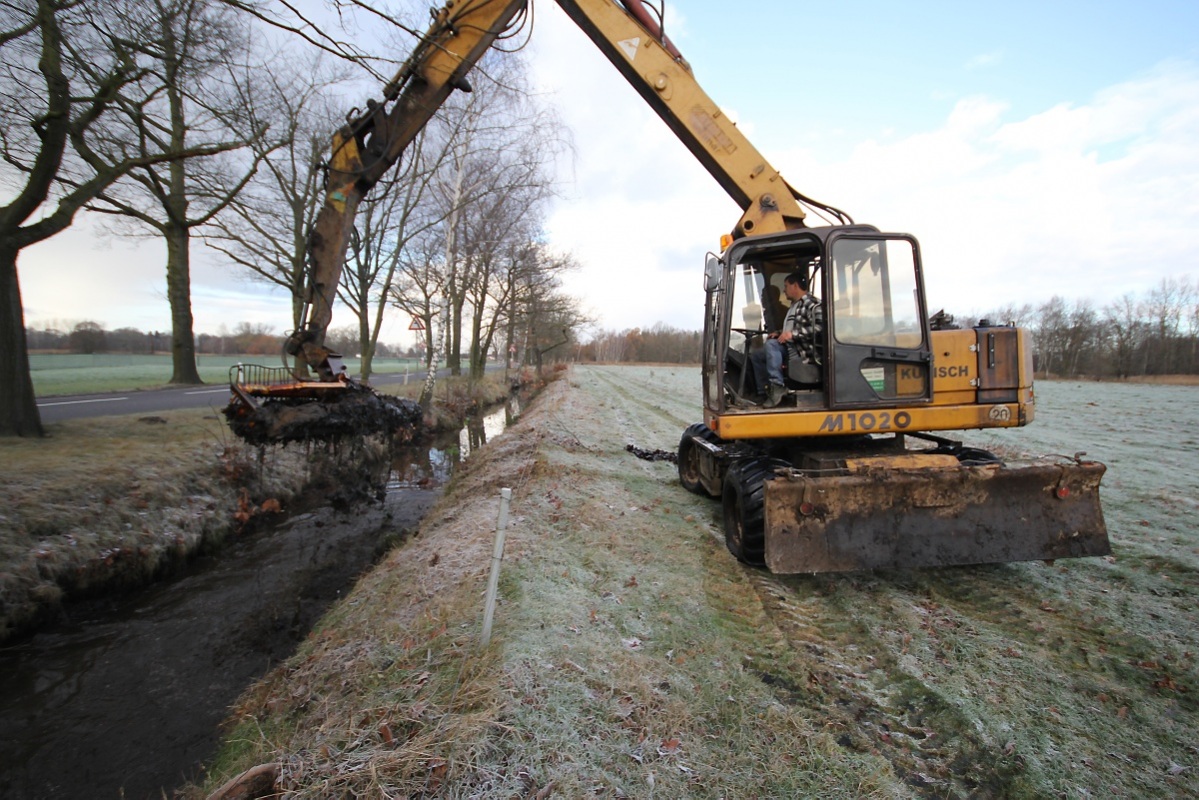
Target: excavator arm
369, 145
625, 31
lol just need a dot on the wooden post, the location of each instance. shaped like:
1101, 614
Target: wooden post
496, 557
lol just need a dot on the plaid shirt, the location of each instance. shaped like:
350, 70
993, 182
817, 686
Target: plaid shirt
805, 319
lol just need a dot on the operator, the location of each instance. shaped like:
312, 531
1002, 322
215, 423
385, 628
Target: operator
802, 330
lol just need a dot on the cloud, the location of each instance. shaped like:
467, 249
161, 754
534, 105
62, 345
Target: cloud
985, 60
1088, 200
1084, 201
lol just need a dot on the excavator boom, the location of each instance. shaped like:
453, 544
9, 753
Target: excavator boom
369, 146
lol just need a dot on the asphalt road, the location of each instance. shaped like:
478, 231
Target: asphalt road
151, 401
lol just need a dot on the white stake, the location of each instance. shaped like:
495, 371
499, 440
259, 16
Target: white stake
496, 557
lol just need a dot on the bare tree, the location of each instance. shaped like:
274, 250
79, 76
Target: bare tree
1125, 332
1167, 307
545, 319
494, 190
198, 52
67, 65
1050, 333
266, 228
389, 223
1019, 316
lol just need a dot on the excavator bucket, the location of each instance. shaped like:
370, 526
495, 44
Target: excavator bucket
896, 516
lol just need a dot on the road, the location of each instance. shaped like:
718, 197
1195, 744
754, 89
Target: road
67, 407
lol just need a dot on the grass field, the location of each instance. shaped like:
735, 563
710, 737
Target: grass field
71, 373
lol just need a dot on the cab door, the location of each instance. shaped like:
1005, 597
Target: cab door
877, 331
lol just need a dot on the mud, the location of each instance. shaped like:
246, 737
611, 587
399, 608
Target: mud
359, 412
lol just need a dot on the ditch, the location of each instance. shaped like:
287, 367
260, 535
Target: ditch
125, 696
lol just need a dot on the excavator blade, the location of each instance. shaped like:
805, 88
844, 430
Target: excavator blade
930, 517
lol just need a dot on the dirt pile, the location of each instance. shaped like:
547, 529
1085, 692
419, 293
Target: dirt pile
355, 414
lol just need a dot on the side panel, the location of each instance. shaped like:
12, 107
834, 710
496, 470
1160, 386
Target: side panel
791, 423
955, 367
998, 365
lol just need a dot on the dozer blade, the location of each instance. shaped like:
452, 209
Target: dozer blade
894, 517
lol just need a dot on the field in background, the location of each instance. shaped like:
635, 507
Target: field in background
59, 374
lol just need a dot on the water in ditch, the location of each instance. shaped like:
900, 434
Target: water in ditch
124, 697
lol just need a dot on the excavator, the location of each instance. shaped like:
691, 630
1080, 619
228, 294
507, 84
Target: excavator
853, 469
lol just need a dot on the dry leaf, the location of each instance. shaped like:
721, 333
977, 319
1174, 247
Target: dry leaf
438, 767
669, 747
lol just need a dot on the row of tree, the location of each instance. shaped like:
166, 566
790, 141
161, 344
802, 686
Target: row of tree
1156, 333
660, 344
209, 120
246, 338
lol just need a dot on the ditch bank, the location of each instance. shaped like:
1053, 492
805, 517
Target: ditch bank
109, 505
135, 684
634, 657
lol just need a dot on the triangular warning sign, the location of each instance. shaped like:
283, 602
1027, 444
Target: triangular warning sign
629, 46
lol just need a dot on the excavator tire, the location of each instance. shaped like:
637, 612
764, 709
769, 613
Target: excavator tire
744, 509
690, 470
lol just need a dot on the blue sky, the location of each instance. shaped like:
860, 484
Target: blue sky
1034, 149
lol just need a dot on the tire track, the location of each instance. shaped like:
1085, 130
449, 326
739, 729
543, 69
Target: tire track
872, 703
637, 393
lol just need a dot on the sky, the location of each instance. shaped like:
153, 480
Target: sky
1034, 149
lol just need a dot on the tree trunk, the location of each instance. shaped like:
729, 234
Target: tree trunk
426, 395
365, 343
18, 407
454, 337
478, 356
183, 340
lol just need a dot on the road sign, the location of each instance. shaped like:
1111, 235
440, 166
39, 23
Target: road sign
418, 324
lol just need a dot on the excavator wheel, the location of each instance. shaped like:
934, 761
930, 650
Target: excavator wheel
689, 457
744, 520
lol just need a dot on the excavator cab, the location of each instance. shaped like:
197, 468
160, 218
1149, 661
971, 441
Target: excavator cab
875, 349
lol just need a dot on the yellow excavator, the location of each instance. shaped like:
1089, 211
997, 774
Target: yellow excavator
850, 470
